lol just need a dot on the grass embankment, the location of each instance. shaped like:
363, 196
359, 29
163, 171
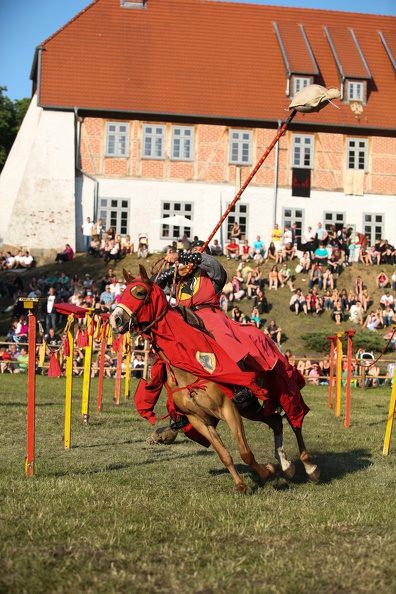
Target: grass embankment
293, 326
115, 515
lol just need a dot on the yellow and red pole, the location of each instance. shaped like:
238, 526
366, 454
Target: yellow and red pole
337, 406
331, 376
31, 401
391, 415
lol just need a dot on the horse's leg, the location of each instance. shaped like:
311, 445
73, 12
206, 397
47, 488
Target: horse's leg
255, 412
230, 414
211, 434
312, 470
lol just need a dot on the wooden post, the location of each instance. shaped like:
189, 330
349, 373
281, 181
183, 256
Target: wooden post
391, 416
349, 334
337, 406
127, 350
331, 377
103, 345
87, 372
69, 384
118, 373
31, 399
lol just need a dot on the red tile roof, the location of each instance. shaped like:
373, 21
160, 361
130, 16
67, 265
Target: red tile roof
207, 59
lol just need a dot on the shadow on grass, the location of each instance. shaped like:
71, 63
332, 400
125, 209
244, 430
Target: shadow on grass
333, 465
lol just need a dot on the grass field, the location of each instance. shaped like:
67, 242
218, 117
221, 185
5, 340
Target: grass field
116, 515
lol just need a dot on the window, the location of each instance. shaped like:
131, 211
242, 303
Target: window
303, 151
170, 209
334, 218
240, 147
238, 213
357, 149
373, 227
182, 143
153, 142
117, 140
115, 213
294, 215
355, 91
299, 83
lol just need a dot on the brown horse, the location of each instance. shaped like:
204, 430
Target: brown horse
204, 402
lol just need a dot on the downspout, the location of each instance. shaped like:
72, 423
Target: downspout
77, 165
276, 175
40, 50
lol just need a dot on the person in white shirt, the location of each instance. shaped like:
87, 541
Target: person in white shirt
356, 313
87, 228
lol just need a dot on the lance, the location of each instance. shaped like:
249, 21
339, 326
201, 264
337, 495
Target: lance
249, 179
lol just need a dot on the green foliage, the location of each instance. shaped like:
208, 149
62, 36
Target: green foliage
114, 515
11, 117
366, 339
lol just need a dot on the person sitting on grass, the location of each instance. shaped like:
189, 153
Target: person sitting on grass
285, 277
232, 249
274, 331
338, 312
298, 303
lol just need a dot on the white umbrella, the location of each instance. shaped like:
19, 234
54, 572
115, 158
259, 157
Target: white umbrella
176, 220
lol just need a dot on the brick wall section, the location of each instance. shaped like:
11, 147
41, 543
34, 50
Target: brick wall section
211, 152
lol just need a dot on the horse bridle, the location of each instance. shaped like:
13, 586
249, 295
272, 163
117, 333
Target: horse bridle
133, 319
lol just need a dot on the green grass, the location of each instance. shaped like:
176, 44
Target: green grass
115, 515
293, 326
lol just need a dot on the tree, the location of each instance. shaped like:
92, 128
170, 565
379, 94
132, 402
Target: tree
11, 118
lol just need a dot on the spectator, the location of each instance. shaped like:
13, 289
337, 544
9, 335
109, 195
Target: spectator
328, 301
52, 339
215, 248
112, 251
143, 248
364, 257
127, 246
328, 279
276, 236
237, 315
22, 360
235, 232
258, 250
386, 299
138, 365
387, 316
232, 249
338, 312
374, 256
321, 234
285, 277
255, 317
26, 260
50, 315
260, 301
344, 299
298, 303
382, 280
273, 253
87, 229
238, 290
289, 251
275, 332
273, 278
305, 263
372, 322
315, 276
314, 302
304, 365
356, 313
227, 294
314, 374
393, 279
321, 255
95, 247
66, 255
107, 297
246, 251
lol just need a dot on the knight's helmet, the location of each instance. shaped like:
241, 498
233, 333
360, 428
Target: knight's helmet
199, 244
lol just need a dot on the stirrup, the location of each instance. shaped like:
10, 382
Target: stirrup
180, 423
243, 396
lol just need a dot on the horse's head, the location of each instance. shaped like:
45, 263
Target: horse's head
141, 303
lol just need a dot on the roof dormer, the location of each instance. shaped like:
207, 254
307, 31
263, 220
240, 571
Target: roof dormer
300, 63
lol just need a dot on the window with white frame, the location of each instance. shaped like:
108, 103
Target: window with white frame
117, 139
299, 83
373, 227
153, 141
303, 151
294, 215
355, 91
241, 147
336, 219
182, 147
357, 151
172, 231
115, 213
238, 213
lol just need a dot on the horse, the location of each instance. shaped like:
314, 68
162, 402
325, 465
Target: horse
193, 388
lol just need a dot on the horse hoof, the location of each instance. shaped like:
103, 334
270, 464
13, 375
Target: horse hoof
241, 489
271, 469
289, 471
314, 474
